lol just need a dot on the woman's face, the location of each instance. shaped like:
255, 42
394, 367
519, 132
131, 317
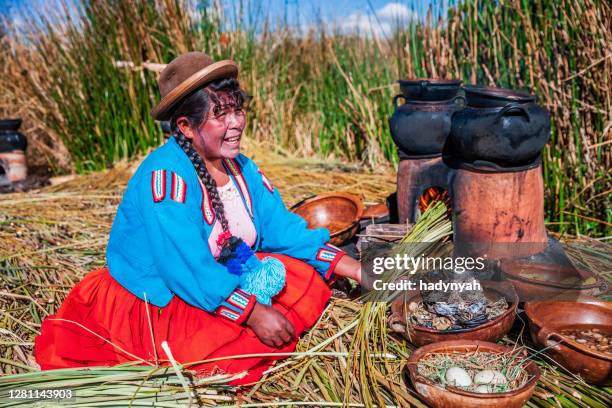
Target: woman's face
219, 135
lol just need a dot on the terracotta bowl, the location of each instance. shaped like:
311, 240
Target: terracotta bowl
492, 330
549, 284
338, 212
547, 319
439, 397
375, 211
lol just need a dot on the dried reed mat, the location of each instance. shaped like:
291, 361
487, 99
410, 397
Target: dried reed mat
50, 238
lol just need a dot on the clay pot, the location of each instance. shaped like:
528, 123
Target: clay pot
338, 212
438, 397
549, 283
547, 319
376, 211
420, 128
425, 89
490, 97
512, 134
490, 331
12, 152
500, 126
10, 138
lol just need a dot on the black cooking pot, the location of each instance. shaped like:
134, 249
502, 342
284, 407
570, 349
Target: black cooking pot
422, 89
490, 97
510, 134
10, 138
420, 129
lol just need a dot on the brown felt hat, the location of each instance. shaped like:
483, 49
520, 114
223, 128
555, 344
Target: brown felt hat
184, 75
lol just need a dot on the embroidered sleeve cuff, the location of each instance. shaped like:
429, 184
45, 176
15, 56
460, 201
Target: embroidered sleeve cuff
332, 255
237, 306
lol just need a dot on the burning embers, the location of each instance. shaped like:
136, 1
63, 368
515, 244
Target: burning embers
432, 195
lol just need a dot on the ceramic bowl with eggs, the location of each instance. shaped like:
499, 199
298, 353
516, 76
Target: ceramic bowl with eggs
459, 373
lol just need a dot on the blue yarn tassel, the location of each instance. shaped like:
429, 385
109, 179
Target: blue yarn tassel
264, 279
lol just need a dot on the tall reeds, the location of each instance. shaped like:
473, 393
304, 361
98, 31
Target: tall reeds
319, 93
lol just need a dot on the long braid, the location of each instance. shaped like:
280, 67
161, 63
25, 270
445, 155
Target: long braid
209, 182
264, 278
195, 108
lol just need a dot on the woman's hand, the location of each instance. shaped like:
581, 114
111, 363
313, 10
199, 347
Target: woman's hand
270, 326
349, 267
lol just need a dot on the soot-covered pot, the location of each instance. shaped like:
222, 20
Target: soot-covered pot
12, 152
499, 125
429, 90
420, 127
10, 138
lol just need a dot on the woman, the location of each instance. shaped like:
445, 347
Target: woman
181, 267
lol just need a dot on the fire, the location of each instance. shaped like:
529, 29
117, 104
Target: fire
433, 194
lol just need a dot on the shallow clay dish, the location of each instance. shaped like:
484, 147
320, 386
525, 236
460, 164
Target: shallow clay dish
338, 212
550, 281
548, 319
439, 397
492, 330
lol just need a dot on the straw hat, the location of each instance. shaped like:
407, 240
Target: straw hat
184, 75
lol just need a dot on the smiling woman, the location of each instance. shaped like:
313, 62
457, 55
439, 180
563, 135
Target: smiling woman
203, 254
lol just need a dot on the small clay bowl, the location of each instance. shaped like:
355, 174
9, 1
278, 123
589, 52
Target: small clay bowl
338, 212
375, 212
547, 319
492, 330
439, 397
550, 280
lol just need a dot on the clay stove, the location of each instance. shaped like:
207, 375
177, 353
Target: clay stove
488, 158
420, 128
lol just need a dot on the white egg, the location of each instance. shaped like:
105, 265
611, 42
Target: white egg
492, 377
458, 377
483, 389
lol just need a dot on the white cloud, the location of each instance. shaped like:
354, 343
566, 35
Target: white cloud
383, 22
396, 12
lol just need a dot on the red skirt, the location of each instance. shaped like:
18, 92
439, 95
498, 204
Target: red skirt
99, 304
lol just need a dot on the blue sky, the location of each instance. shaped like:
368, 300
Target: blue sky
378, 16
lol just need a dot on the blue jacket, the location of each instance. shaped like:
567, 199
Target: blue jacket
158, 244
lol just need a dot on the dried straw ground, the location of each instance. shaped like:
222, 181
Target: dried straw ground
50, 238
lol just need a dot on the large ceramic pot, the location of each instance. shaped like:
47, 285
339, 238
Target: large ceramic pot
549, 319
10, 138
420, 129
499, 126
424, 89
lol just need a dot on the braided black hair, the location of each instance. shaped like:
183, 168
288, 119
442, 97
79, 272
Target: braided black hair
195, 108
209, 182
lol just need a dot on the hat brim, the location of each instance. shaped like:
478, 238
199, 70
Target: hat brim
216, 70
